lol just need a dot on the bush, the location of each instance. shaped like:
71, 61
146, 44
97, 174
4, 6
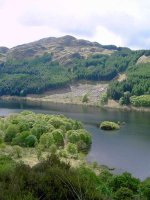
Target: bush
6, 165
108, 125
77, 135
57, 121
58, 137
103, 98
138, 101
85, 99
123, 194
20, 139
38, 129
77, 125
53, 149
31, 141
145, 188
23, 126
125, 99
39, 149
11, 132
72, 148
47, 140
1, 140
82, 146
2, 134
63, 153
125, 180
17, 151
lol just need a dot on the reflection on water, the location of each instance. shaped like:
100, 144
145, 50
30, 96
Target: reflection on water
126, 149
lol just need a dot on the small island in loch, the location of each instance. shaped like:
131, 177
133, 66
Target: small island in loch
108, 125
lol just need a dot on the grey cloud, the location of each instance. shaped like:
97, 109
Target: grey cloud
70, 24
132, 31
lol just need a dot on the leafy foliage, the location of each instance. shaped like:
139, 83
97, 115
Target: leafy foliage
137, 84
103, 98
107, 125
32, 76
143, 100
54, 179
42, 73
11, 132
28, 129
85, 98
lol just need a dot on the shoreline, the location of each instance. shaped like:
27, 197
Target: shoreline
111, 104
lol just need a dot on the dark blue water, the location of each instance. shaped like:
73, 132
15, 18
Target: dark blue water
127, 149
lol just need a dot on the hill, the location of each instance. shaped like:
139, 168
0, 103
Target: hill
50, 63
63, 49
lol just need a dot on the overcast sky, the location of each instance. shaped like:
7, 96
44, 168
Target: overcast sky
119, 22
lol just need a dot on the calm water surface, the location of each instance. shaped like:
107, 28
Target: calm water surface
127, 149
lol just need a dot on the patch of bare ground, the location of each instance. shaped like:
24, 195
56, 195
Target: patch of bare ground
122, 77
143, 59
115, 104
73, 94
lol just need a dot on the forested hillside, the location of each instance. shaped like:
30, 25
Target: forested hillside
136, 84
55, 62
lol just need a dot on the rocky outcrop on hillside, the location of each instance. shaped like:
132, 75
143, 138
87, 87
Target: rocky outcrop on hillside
63, 49
3, 53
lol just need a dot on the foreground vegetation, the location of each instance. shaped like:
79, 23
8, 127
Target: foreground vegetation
54, 179
44, 133
56, 141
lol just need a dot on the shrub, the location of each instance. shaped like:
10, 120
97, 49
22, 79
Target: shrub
85, 99
56, 121
82, 146
72, 148
58, 137
20, 139
11, 132
38, 129
108, 125
17, 151
125, 99
2, 134
123, 194
24, 126
143, 100
39, 149
103, 98
77, 125
124, 180
6, 164
47, 140
145, 188
1, 140
80, 134
63, 153
53, 149
31, 141
26, 112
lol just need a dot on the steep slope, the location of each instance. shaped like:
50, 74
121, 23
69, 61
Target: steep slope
51, 63
63, 49
3, 54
